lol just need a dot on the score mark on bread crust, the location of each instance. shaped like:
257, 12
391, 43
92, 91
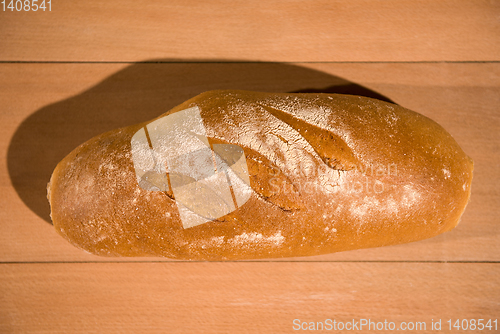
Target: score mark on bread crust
332, 150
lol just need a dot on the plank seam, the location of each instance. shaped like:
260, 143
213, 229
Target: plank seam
246, 261
247, 62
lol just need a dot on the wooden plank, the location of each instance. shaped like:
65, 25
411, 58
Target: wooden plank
48, 109
277, 30
240, 297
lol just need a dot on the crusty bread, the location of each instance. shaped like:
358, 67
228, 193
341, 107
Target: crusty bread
323, 173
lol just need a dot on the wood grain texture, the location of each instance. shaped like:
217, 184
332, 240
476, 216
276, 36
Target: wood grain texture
238, 297
277, 30
47, 109
70, 103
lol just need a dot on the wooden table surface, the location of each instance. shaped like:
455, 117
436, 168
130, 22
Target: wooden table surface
89, 66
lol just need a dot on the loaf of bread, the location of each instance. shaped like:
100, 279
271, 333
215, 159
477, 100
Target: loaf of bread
231, 175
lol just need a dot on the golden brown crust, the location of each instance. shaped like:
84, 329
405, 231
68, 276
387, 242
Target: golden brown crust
328, 173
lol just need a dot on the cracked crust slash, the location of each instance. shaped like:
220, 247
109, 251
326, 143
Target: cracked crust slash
231, 175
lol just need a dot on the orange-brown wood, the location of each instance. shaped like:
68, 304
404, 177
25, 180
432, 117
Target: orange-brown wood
69, 103
275, 30
47, 109
241, 297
